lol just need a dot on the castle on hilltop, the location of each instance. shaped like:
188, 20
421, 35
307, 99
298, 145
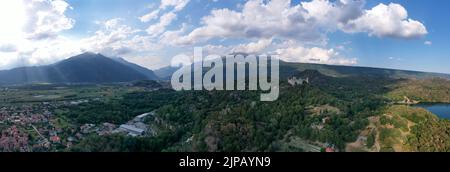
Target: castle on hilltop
293, 81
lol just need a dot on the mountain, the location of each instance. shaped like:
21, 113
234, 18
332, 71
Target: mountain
148, 73
96, 68
356, 71
166, 72
288, 69
83, 68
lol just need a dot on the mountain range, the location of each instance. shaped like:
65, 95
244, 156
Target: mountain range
97, 68
288, 69
83, 68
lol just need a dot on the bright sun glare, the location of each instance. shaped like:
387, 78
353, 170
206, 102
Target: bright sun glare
12, 17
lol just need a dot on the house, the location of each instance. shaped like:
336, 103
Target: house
55, 139
329, 149
87, 128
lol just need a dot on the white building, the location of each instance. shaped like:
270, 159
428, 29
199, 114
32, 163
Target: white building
294, 81
132, 130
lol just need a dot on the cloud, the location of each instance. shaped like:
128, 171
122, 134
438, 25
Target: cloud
8, 48
428, 43
177, 4
253, 47
387, 21
258, 47
116, 39
313, 55
164, 21
38, 40
40, 45
304, 28
31, 53
113, 31
217, 50
170, 37
150, 16
331, 15
298, 32
256, 20
46, 18
394, 58
308, 22
292, 51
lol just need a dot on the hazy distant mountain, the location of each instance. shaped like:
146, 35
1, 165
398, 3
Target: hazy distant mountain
288, 69
165, 73
83, 68
96, 68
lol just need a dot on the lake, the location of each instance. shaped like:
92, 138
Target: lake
441, 109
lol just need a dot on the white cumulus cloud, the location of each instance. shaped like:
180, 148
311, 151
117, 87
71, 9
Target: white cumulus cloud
387, 21
160, 27
150, 16
178, 5
313, 55
45, 18
308, 22
32, 35
253, 47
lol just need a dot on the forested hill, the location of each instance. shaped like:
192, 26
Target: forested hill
348, 71
288, 69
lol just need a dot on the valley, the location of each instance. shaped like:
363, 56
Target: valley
306, 118
320, 109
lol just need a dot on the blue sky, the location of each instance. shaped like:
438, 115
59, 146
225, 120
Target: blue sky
411, 54
401, 34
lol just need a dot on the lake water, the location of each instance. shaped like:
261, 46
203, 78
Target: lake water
441, 110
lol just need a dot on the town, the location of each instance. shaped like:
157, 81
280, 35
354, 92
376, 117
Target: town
30, 123
33, 128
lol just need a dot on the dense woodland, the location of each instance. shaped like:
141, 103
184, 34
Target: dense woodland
405, 128
237, 120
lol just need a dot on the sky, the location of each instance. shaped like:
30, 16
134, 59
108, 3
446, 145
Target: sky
399, 34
